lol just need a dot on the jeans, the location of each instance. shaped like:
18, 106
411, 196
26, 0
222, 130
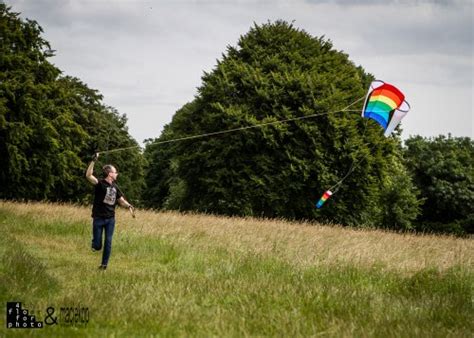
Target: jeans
98, 227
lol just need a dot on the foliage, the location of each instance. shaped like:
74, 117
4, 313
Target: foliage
399, 198
51, 124
277, 72
443, 170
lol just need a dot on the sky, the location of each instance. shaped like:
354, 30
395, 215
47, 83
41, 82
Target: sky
147, 57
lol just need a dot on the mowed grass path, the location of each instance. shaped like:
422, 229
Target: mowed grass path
197, 275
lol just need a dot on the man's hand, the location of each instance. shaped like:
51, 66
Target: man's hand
95, 157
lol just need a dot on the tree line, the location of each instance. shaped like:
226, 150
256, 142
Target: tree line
51, 124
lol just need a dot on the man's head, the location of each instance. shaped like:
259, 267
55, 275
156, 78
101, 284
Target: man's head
109, 171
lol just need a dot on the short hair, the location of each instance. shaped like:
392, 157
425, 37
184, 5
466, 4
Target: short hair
106, 169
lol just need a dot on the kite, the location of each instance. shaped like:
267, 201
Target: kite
386, 105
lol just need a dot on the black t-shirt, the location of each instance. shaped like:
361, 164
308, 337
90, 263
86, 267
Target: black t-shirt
105, 199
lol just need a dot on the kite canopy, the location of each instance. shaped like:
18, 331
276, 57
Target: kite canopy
386, 105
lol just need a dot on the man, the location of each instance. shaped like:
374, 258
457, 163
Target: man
106, 197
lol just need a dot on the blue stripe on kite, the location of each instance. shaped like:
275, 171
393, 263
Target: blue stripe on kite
383, 114
382, 120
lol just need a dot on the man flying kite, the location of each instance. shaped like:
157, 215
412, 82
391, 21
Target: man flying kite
106, 196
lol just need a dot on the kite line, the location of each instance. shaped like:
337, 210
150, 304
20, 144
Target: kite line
192, 137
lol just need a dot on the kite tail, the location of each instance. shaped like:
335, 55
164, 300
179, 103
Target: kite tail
323, 199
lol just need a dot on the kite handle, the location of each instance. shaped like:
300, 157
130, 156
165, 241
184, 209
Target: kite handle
132, 211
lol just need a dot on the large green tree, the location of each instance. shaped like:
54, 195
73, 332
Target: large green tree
443, 170
277, 72
51, 124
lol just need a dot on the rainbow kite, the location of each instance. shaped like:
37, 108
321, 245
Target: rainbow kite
323, 199
386, 105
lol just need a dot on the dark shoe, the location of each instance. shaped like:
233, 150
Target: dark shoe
103, 267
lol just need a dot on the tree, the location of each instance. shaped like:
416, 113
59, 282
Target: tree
105, 129
443, 170
399, 198
276, 72
50, 124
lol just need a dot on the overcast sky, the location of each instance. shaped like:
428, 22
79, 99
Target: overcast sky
147, 57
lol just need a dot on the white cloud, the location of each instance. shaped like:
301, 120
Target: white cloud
147, 57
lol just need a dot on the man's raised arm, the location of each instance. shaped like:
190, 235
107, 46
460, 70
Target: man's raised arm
90, 170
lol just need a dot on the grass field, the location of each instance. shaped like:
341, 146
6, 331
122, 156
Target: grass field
196, 275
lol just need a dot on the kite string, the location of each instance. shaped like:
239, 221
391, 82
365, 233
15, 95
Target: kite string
345, 109
335, 188
115, 150
353, 166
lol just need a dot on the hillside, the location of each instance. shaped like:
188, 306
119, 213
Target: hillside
187, 274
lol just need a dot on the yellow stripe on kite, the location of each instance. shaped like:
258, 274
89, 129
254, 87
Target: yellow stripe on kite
385, 100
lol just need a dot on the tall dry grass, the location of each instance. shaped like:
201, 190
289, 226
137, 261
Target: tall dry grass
173, 274
298, 243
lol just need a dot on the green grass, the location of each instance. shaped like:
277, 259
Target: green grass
170, 284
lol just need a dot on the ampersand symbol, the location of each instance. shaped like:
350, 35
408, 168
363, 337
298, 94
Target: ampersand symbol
52, 321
